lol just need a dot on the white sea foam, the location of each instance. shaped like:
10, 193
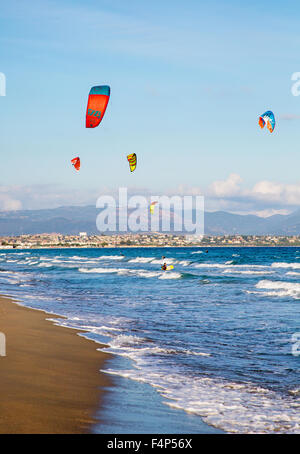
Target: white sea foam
45, 265
230, 266
102, 330
210, 265
110, 257
141, 260
70, 262
170, 275
168, 261
279, 288
233, 407
183, 262
147, 274
124, 340
60, 264
239, 271
9, 280
139, 273
189, 352
139, 349
285, 265
99, 270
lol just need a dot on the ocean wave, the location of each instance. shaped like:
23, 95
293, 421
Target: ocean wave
135, 347
146, 336
230, 266
232, 407
110, 257
168, 261
141, 260
190, 352
100, 270
147, 274
170, 275
238, 271
125, 340
285, 265
139, 273
45, 265
58, 264
183, 262
279, 288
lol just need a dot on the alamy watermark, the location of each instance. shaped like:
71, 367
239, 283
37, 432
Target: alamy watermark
296, 344
295, 88
2, 344
2, 84
178, 214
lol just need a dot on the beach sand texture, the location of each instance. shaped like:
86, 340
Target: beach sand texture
49, 379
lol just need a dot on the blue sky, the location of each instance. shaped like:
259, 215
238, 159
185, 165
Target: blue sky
188, 82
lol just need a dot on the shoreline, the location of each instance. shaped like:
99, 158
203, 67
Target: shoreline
147, 247
50, 376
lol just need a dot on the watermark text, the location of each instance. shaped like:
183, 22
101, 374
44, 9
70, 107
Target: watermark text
180, 214
2, 84
296, 344
2, 344
295, 89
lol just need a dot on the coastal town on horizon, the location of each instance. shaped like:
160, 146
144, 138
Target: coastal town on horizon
83, 240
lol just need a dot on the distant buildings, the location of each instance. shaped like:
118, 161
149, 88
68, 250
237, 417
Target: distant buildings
54, 240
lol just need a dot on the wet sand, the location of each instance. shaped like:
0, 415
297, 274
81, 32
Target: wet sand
49, 379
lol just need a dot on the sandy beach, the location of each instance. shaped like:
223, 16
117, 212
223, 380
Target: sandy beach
49, 379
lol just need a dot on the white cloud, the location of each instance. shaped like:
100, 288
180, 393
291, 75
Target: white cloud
226, 188
7, 203
267, 190
285, 194
265, 197
184, 189
43, 196
47, 196
270, 212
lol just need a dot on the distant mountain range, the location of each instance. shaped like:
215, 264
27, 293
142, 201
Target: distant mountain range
223, 223
74, 219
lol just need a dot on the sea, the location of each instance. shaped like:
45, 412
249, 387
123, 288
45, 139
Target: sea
211, 346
